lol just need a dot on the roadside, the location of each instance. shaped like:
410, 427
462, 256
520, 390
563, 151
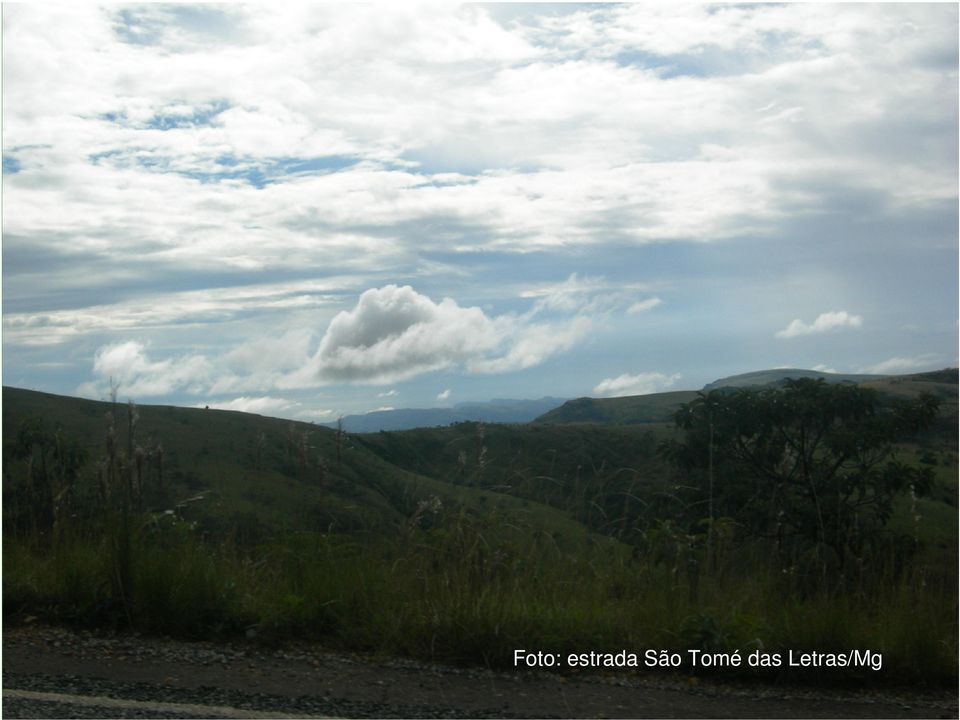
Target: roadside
168, 678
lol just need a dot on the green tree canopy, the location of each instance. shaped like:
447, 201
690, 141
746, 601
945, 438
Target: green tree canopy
807, 460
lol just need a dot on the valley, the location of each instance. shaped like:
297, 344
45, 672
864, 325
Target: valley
459, 544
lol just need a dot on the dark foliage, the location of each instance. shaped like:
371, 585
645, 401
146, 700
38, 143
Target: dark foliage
808, 463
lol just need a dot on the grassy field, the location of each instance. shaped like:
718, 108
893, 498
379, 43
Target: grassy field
460, 543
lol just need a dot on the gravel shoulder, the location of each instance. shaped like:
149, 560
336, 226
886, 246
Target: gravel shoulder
302, 680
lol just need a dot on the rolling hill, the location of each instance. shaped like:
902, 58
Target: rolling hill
660, 407
632, 410
766, 377
225, 469
461, 542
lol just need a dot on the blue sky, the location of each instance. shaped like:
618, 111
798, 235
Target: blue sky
331, 209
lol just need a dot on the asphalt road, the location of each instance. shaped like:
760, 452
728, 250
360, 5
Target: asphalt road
54, 672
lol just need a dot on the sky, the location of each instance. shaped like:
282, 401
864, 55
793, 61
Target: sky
332, 209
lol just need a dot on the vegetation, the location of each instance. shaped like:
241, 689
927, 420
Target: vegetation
638, 409
467, 542
803, 465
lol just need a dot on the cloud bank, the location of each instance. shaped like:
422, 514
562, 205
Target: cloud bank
392, 334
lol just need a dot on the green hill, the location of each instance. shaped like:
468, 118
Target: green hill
766, 377
462, 542
596, 473
633, 410
660, 407
224, 469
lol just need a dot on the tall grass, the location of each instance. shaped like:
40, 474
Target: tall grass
452, 592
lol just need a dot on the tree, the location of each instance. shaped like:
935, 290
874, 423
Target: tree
806, 461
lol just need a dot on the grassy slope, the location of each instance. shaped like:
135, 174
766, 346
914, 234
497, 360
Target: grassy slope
213, 453
765, 377
510, 563
633, 410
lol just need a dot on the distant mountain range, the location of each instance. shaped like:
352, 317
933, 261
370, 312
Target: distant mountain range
636, 409
493, 411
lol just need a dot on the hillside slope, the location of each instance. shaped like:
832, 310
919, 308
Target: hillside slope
660, 407
632, 410
765, 377
226, 470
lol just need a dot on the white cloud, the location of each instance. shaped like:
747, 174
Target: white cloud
644, 305
212, 306
395, 333
532, 344
820, 367
128, 365
258, 405
640, 384
582, 294
392, 334
825, 322
264, 355
902, 365
444, 396
317, 414
596, 151
327, 141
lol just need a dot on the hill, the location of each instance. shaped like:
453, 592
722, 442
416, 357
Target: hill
636, 409
225, 469
462, 542
494, 411
766, 377
660, 407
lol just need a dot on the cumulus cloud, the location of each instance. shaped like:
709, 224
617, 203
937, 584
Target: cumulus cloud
820, 367
328, 141
444, 396
825, 322
640, 384
128, 365
392, 334
395, 333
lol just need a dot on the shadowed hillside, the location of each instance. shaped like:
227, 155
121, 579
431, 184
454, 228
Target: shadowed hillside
633, 410
225, 469
468, 541
765, 377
